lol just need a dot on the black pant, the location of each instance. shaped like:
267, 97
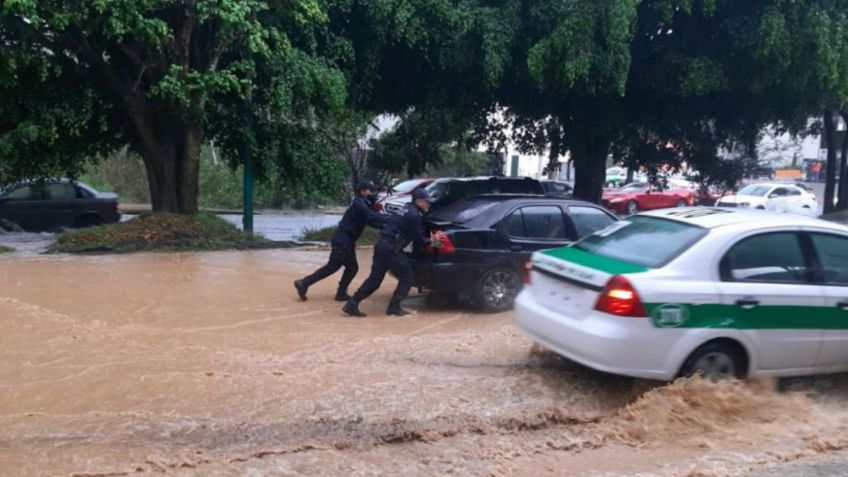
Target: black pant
387, 257
343, 254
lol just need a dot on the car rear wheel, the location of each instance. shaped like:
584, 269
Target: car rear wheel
681, 203
632, 207
497, 289
716, 361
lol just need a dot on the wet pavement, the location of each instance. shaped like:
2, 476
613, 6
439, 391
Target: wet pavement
207, 365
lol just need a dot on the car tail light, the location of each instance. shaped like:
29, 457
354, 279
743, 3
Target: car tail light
527, 277
620, 298
447, 244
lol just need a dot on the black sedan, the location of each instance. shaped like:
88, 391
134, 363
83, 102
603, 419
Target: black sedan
56, 204
490, 239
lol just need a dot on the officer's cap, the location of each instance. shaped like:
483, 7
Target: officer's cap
422, 194
366, 185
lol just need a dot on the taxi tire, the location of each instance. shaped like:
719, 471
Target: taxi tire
496, 274
717, 348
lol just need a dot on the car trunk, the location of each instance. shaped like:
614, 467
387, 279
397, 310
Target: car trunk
461, 240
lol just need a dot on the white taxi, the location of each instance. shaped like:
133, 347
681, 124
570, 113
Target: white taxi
773, 196
723, 292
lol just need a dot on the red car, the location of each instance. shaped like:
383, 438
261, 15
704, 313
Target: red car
636, 197
402, 189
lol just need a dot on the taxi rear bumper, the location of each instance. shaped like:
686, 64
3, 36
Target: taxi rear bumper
618, 345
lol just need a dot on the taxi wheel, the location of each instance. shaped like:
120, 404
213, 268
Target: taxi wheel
496, 289
716, 361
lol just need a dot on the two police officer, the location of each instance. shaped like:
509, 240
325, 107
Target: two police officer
343, 254
388, 255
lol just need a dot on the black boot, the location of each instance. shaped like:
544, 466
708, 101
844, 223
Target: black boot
342, 295
301, 287
394, 309
351, 308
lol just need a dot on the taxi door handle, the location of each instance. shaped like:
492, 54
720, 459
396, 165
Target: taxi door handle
842, 305
516, 248
747, 303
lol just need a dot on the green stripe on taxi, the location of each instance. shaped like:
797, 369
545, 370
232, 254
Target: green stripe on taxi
597, 262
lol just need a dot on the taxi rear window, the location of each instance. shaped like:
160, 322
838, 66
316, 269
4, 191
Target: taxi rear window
648, 241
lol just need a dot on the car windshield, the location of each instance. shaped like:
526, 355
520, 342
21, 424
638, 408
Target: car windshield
406, 186
635, 240
464, 211
634, 188
438, 189
755, 190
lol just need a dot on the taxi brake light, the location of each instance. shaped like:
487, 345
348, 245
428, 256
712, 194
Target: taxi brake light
620, 298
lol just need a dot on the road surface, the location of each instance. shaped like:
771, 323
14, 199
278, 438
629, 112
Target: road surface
206, 365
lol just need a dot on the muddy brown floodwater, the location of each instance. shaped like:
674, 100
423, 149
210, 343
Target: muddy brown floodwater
206, 365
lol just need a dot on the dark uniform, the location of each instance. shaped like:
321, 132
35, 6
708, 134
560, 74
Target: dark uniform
388, 255
343, 253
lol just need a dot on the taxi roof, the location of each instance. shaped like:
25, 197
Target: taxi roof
714, 217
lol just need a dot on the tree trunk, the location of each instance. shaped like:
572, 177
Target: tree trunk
830, 138
171, 154
590, 160
842, 194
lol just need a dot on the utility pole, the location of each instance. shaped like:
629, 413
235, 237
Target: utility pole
247, 159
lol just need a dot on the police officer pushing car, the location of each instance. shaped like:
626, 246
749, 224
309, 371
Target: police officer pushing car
343, 253
388, 255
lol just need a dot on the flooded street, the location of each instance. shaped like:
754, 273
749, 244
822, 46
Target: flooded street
206, 365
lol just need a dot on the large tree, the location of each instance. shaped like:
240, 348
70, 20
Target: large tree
84, 77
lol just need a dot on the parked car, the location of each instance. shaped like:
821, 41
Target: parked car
723, 292
776, 197
403, 189
52, 204
489, 240
557, 188
636, 197
449, 190
615, 177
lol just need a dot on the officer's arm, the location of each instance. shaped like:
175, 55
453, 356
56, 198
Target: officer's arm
418, 235
371, 218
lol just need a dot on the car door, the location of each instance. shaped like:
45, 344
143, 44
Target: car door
587, 220
60, 201
534, 227
777, 200
21, 205
767, 287
832, 272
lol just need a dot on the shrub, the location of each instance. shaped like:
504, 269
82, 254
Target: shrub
160, 232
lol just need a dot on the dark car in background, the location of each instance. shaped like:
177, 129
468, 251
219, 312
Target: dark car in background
557, 188
56, 204
403, 189
449, 190
490, 240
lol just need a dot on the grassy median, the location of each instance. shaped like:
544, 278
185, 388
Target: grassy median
5, 249
160, 232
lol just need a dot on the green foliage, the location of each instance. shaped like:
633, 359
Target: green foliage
83, 78
159, 232
5, 249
